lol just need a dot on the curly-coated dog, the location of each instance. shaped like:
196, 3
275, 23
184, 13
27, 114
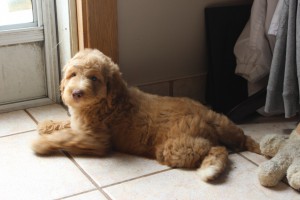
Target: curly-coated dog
107, 115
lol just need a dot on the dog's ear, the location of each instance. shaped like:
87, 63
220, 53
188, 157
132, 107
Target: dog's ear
115, 86
62, 85
63, 80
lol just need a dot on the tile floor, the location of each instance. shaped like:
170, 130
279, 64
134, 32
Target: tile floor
23, 175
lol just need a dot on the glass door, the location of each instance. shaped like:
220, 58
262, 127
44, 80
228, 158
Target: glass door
17, 14
28, 54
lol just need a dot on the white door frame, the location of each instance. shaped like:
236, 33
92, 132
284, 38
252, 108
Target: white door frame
45, 31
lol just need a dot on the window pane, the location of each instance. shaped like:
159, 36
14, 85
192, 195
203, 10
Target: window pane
15, 12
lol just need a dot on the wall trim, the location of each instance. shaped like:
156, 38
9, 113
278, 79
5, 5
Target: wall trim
97, 26
25, 104
51, 50
170, 79
25, 35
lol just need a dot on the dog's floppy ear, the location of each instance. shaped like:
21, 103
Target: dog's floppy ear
62, 84
62, 87
63, 80
115, 86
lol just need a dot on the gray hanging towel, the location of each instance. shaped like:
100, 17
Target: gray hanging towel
283, 87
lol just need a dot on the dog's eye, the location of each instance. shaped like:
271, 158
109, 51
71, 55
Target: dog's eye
73, 74
94, 78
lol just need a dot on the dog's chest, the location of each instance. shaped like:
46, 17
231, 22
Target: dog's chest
76, 124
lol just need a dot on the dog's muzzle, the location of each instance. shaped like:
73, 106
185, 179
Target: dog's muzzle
77, 94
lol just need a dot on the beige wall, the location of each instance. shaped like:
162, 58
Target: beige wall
163, 40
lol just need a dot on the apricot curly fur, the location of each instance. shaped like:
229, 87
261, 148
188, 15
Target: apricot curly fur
107, 114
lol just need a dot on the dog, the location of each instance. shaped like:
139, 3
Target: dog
108, 115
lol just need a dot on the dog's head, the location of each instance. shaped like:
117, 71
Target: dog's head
89, 78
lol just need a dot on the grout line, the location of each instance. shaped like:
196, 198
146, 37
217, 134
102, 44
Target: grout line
106, 186
135, 178
73, 195
13, 134
87, 175
247, 159
30, 115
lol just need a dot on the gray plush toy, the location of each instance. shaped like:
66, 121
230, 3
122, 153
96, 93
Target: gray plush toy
285, 153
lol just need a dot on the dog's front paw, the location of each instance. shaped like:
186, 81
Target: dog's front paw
49, 126
41, 146
46, 127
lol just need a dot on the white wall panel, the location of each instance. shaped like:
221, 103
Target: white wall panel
163, 39
22, 72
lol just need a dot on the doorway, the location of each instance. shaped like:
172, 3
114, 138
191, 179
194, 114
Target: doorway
29, 72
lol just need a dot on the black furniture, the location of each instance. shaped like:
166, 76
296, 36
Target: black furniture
227, 92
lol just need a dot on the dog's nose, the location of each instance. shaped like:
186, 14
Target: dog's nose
77, 94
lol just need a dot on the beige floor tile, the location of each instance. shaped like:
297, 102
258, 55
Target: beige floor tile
117, 167
93, 195
258, 130
53, 112
272, 119
15, 122
240, 182
264, 126
24, 175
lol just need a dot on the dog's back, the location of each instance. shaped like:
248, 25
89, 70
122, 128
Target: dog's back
153, 119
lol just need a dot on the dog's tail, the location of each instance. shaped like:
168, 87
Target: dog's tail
213, 164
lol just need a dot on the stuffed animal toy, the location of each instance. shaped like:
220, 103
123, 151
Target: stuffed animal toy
285, 153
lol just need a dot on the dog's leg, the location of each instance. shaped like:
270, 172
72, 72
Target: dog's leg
72, 142
49, 126
229, 134
185, 151
213, 164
